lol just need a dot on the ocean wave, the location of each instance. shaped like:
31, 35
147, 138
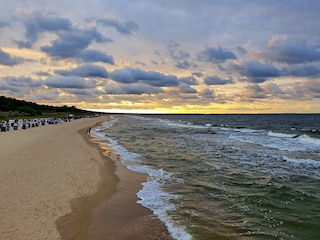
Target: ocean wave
309, 162
282, 135
151, 195
281, 141
307, 139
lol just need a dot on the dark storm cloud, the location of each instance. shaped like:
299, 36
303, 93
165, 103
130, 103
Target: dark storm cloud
39, 23
7, 60
215, 80
289, 51
135, 75
86, 70
216, 55
189, 80
257, 72
69, 82
74, 44
126, 28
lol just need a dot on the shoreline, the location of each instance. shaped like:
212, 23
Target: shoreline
59, 183
120, 216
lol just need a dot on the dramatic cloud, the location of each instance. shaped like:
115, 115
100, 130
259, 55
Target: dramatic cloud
185, 65
135, 75
69, 82
91, 55
257, 72
272, 88
175, 52
181, 57
254, 91
216, 55
19, 84
132, 88
7, 60
285, 50
203, 56
126, 28
38, 22
314, 86
189, 80
74, 44
86, 70
214, 80
207, 93
185, 88
197, 74
140, 88
303, 70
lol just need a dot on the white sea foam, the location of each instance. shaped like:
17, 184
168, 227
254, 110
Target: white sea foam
151, 195
188, 125
281, 135
309, 140
242, 130
281, 141
301, 138
309, 162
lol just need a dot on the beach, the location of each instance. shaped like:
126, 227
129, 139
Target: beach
57, 182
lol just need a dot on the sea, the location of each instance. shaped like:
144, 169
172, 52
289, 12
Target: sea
225, 176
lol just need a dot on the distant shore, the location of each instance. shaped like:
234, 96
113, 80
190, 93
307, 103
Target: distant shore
57, 184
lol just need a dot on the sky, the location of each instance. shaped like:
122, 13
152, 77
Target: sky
163, 56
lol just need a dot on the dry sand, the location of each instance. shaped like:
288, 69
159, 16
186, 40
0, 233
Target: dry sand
55, 183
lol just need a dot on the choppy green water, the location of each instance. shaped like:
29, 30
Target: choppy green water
214, 182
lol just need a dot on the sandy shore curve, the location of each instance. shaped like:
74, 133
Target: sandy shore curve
55, 183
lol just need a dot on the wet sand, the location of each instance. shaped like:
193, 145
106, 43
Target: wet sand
57, 183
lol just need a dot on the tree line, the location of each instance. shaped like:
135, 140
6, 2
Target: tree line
11, 107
